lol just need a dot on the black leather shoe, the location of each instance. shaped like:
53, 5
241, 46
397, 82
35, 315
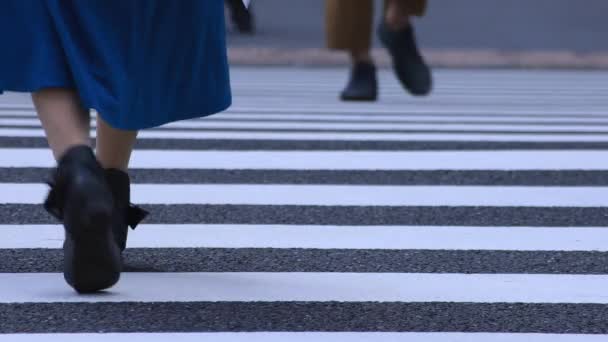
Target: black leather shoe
363, 84
81, 199
125, 214
408, 64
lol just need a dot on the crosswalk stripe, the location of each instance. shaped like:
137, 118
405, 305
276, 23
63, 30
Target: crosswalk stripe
559, 111
339, 160
428, 118
465, 75
455, 110
332, 237
477, 213
457, 103
510, 137
318, 287
472, 93
341, 195
201, 126
488, 82
304, 130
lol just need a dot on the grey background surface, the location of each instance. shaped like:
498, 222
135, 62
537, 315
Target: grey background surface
514, 25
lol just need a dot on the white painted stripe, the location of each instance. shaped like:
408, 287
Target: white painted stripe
454, 108
398, 109
408, 117
442, 96
460, 75
390, 82
402, 108
470, 107
384, 127
588, 98
472, 78
331, 88
471, 90
370, 115
338, 160
440, 119
457, 74
463, 78
389, 85
340, 195
331, 237
304, 337
375, 136
440, 99
343, 287
388, 127
321, 136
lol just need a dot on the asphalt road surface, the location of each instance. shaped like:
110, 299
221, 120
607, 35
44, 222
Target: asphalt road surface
477, 214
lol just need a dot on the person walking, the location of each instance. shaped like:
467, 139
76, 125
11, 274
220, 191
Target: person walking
349, 27
139, 64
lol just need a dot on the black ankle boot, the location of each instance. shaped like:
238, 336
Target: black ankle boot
408, 64
363, 84
125, 214
81, 199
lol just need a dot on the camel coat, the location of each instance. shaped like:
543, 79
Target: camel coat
349, 23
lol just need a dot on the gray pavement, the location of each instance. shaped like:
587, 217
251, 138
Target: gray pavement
469, 33
496, 180
515, 25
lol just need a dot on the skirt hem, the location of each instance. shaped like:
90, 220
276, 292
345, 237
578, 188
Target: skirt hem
111, 120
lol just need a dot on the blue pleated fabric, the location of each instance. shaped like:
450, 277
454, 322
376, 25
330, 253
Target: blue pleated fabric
139, 63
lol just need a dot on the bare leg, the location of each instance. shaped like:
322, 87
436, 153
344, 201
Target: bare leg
114, 146
65, 121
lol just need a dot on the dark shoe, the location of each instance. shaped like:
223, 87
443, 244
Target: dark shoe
242, 17
408, 64
81, 199
363, 84
125, 214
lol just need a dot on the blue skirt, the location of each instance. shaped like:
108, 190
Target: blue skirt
139, 63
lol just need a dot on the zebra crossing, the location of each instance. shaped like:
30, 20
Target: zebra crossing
478, 214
